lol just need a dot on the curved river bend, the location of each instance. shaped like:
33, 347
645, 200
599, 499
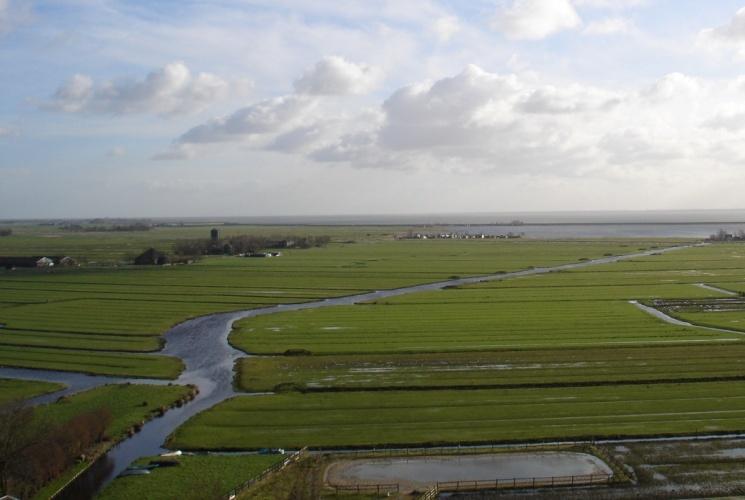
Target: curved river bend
202, 344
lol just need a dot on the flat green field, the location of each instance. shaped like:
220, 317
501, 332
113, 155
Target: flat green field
195, 477
457, 416
587, 307
96, 319
96, 363
471, 326
566, 344
528, 367
17, 390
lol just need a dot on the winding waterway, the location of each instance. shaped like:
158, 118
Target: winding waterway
202, 344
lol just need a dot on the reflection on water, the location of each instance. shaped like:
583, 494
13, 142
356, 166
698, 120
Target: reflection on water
423, 471
87, 483
553, 231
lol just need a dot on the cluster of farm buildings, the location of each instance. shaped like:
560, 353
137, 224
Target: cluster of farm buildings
37, 261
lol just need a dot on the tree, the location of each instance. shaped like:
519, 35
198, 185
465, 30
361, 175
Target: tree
16, 433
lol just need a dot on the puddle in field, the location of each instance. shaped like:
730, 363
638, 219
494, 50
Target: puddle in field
732, 453
420, 472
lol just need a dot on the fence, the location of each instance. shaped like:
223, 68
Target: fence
431, 494
270, 470
449, 450
378, 489
531, 482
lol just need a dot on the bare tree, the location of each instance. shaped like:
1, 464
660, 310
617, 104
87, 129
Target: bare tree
16, 433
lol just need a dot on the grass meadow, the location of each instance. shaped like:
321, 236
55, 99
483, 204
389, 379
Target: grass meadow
194, 477
543, 357
101, 319
12, 390
464, 416
508, 368
559, 355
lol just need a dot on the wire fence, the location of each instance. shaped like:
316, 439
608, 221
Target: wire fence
266, 472
378, 489
524, 483
449, 450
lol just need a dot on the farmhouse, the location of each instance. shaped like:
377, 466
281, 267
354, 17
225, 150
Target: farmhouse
45, 262
12, 262
264, 254
68, 262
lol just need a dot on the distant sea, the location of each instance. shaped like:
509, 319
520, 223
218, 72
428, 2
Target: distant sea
587, 224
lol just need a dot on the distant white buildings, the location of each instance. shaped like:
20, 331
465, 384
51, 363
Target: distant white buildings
454, 236
45, 262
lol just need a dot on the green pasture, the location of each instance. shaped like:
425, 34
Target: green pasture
586, 307
96, 319
113, 247
12, 390
194, 477
457, 416
472, 326
93, 362
569, 366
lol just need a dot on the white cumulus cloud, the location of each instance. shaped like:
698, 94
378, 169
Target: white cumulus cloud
479, 121
261, 119
728, 36
172, 89
335, 75
536, 19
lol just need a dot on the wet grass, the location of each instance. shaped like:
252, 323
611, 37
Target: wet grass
500, 368
473, 326
17, 390
193, 477
434, 417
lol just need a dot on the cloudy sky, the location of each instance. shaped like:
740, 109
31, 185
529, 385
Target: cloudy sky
282, 107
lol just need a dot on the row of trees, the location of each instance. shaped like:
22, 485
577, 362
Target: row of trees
243, 244
137, 226
723, 235
33, 453
5, 231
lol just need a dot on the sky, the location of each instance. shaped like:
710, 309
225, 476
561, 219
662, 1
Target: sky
178, 108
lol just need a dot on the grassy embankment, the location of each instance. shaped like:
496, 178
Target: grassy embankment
570, 328
130, 405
